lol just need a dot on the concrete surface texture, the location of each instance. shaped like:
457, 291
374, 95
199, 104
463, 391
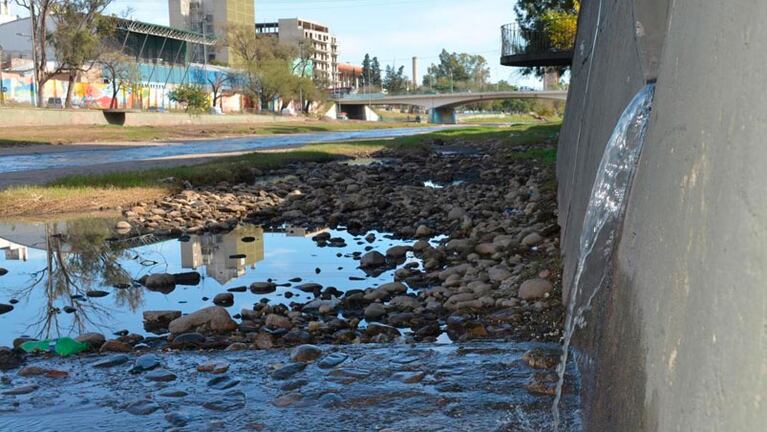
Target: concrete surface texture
678, 340
13, 117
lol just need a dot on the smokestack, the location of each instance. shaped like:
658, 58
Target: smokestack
415, 73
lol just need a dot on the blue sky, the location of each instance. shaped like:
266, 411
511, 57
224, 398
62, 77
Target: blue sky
393, 30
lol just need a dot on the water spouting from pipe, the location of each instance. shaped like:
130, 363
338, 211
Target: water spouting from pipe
604, 215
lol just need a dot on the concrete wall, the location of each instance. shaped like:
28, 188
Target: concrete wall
677, 340
12, 117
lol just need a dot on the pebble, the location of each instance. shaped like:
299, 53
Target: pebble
215, 367
332, 360
288, 371
112, 361
161, 375
142, 407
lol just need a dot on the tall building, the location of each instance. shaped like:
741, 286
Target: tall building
211, 18
294, 30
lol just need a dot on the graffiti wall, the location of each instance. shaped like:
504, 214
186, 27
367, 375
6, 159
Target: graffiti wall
93, 91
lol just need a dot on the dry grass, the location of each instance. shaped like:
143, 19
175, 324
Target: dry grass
34, 201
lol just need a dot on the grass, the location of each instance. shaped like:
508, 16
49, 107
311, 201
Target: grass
126, 134
497, 119
92, 192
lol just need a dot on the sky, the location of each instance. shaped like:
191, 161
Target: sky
392, 30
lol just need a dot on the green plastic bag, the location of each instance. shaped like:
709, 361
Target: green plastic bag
68, 346
64, 346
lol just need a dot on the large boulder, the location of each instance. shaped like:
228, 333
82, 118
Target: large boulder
214, 319
372, 259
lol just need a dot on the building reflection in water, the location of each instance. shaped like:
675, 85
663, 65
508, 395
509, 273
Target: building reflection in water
224, 256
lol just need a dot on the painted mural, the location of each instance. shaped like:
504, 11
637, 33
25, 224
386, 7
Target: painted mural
93, 92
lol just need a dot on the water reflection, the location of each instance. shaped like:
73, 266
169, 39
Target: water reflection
224, 256
72, 277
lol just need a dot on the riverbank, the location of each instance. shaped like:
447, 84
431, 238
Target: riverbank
138, 135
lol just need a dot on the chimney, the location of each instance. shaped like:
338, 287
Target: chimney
415, 72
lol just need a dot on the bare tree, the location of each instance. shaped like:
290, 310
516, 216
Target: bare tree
117, 69
39, 12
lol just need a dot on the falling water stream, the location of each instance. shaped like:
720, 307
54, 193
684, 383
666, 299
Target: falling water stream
604, 216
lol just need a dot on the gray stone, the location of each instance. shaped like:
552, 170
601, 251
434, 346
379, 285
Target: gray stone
332, 360
145, 363
224, 299
112, 361
288, 371
161, 375
375, 311
372, 259
142, 407
532, 239
158, 321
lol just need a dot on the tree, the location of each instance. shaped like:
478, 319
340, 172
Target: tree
457, 71
39, 12
193, 96
375, 72
266, 63
366, 71
116, 68
80, 28
395, 82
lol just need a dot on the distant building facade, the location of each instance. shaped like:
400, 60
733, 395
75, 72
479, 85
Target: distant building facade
5, 12
349, 76
211, 18
292, 31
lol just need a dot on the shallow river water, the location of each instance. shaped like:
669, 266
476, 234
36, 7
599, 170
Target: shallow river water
72, 277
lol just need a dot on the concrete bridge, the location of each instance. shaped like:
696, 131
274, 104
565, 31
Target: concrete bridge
441, 106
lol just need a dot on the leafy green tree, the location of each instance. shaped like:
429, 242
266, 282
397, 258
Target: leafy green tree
375, 72
457, 72
194, 97
395, 82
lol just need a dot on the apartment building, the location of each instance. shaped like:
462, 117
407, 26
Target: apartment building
211, 18
294, 30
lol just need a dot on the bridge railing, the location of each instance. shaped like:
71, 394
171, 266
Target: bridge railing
547, 45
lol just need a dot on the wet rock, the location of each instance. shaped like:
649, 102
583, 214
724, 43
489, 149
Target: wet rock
10, 358
142, 407
311, 288
177, 419
236, 346
187, 278
263, 287
31, 371
112, 361
161, 375
5, 308
3, 271
375, 311
116, 346
397, 252
188, 340
96, 294
330, 400
214, 319
173, 394
541, 359
386, 291
241, 289
409, 377
224, 299
214, 367
223, 382
27, 389
278, 321
145, 363
228, 402
533, 289
161, 282
543, 384
305, 353
288, 371
485, 249
158, 321
93, 340
375, 329
332, 360
372, 259
286, 400
423, 231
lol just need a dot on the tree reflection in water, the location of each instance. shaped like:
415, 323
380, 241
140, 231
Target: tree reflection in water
81, 257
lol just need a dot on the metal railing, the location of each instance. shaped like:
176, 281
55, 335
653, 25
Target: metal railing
519, 41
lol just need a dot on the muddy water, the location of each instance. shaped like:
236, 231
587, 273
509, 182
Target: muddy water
403, 388
80, 158
72, 277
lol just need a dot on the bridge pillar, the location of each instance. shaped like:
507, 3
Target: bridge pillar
442, 115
